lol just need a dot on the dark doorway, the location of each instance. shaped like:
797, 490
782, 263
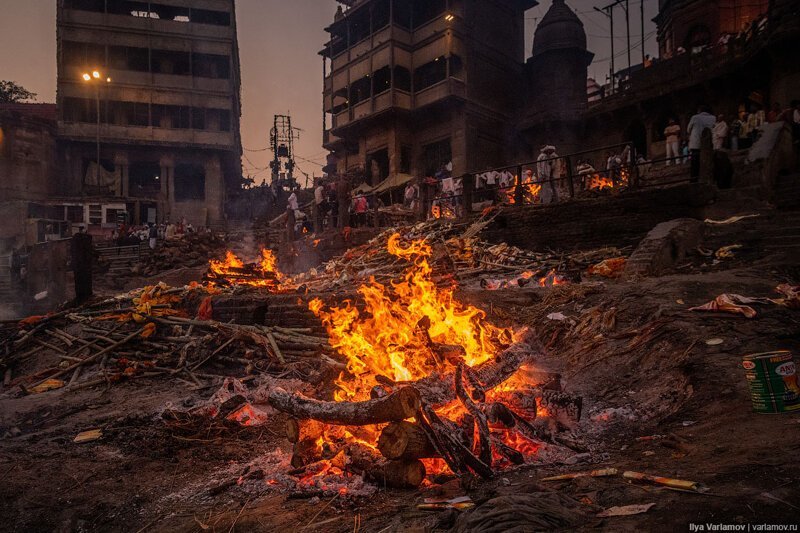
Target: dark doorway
636, 134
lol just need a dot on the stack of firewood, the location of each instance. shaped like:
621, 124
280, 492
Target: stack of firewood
412, 429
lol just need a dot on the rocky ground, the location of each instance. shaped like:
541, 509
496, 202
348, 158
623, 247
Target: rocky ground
645, 364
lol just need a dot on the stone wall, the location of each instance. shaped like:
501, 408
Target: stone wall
608, 221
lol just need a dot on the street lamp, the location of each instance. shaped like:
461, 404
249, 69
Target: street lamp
96, 78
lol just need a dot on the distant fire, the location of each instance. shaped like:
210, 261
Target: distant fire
233, 271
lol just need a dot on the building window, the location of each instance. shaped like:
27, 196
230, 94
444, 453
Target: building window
75, 54
405, 159
168, 62
426, 10
198, 118
75, 214
95, 214
144, 179
435, 156
206, 16
402, 78
129, 58
430, 73
218, 119
97, 6
190, 182
360, 90
402, 14
211, 66
381, 80
377, 166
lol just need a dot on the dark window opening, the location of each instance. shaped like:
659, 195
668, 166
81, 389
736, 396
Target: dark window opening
377, 166
205, 16
405, 159
198, 118
430, 73
456, 66
435, 156
167, 62
359, 24
402, 78
402, 14
128, 58
218, 119
381, 80
75, 214
360, 90
211, 66
427, 10
190, 182
380, 14
144, 179
699, 35
86, 5
79, 110
77, 54
340, 100
129, 113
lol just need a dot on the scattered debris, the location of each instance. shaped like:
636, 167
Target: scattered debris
625, 510
678, 484
603, 472
88, 436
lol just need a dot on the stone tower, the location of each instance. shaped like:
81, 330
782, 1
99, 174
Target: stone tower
556, 96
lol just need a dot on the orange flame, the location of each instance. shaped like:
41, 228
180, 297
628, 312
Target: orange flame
264, 273
385, 338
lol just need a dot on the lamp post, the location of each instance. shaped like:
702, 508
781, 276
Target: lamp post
96, 78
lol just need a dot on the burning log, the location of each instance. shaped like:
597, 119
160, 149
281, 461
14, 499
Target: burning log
399, 405
297, 430
484, 436
524, 401
405, 474
405, 440
489, 374
400, 474
305, 452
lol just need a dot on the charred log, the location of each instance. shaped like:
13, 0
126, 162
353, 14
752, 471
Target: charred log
405, 440
401, 404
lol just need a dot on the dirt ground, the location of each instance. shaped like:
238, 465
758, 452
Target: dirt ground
630, 347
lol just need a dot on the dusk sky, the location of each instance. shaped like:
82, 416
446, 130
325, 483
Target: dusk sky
281, 71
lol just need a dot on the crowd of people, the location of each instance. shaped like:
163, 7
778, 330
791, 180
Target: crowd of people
744, 130
125, 235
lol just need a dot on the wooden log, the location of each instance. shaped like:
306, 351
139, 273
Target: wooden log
401, 404
405, 474
484, 437
405, 440
489, 374
297, 430
305, 452
497, 413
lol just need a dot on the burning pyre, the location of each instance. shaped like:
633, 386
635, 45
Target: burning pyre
429, 387
232, 271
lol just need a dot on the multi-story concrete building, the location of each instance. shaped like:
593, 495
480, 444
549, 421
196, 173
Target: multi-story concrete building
156, 85
412, 85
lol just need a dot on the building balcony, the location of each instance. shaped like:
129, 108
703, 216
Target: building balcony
448, 88
118, 134
391, 99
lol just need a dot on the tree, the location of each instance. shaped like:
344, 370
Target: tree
10, 93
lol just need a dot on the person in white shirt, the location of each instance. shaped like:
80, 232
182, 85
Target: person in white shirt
292, 202
320, 204
719, 132
699, 122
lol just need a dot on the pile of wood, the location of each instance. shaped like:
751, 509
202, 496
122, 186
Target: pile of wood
472, 444
149, 333
191, 250
458, 253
